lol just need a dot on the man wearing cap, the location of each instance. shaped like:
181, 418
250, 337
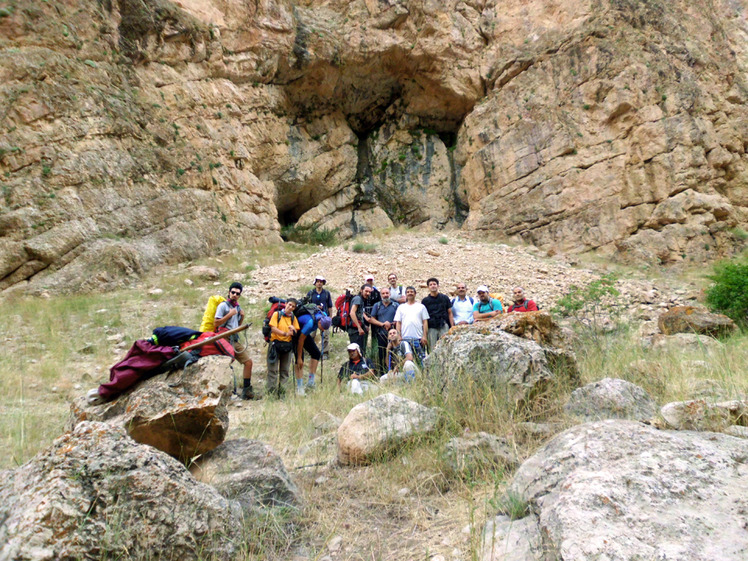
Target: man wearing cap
321, 297
521, 304
356, 371
486, 308
303, 341
229, 315
382, 318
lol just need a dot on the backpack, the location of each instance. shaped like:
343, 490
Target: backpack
172, 335
277, 305
342, 318
209, 316
305, 307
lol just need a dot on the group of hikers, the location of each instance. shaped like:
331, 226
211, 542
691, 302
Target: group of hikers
390, 319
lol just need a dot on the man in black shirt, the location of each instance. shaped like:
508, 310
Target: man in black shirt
321, 297
439, 307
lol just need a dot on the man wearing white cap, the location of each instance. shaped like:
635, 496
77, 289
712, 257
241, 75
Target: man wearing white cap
321, 297
356, 371
486, 308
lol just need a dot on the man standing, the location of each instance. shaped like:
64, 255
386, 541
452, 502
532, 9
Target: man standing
520, 303
283, 326
229, 315
304, 341
382, 318
411, 320
440, 312
358, 329
462, 306
397, 292
369, 302
486, 308
321, 297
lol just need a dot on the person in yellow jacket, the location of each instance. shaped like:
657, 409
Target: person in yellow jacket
283, 326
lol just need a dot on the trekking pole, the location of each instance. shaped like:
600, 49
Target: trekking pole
322, 362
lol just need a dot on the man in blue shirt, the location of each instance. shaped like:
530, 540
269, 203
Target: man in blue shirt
321, 297
486, 308
382, 318
304, 341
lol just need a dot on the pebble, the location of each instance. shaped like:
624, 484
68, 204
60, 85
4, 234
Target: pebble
403, 492
320, 480
156, 291
188, 282
334, 544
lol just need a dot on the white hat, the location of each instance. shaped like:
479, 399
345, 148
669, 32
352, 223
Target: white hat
367, 277
354, 347
482, 288
320, 277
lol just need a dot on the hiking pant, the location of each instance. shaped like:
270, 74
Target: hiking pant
354, 337
381, 352
280, 367
436, 333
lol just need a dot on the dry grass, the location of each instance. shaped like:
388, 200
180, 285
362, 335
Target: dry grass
407, 506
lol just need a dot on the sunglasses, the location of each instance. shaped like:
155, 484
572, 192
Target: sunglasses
235, 292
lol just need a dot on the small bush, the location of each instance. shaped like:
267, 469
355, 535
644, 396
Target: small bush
444, 240
729, 293
364, 248
587, 305
513, 505
310, 236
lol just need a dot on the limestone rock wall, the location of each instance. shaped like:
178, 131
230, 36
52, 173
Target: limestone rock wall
134, 133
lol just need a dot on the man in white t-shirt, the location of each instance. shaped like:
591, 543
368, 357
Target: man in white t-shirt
411, 319
462, 306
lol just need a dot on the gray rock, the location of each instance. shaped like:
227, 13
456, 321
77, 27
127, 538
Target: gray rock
379, 426
321, 449
324, 422
690, 342
688, 319
479, 451
95, 493
702, 415
611, 398
519, 366
249, 472
184, 414
621, 490
505, 539
205, 273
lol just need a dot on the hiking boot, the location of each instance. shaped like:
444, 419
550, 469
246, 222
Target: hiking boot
93, 397
248, 393
300, 391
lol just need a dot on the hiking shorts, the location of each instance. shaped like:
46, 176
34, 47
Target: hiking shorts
241, 353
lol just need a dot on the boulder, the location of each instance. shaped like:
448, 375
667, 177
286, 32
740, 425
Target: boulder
689, 342
519, 366
324, 422
702, 415
97, 494
687, 319
611, 398
205, 273
536, 326
248, 472
620, 490
379, 426
183, 413
466, 454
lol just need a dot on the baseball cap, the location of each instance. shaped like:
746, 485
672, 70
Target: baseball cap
353, 347
320, 277
482, 288
325, 322
369, 277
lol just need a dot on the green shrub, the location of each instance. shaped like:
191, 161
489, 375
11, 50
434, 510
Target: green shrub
310, 236
729, 293
364, 248
588, 304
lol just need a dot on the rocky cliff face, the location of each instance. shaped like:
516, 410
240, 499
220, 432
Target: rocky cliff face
133, 133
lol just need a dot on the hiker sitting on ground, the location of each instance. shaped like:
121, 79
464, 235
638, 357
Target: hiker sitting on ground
486, 308
229, 315
304, 341
397, 292
462, 306
358, 327
283, 326
321, 297
357, 371
399, 357
521, 304
411, 320
382, 319
439, 307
